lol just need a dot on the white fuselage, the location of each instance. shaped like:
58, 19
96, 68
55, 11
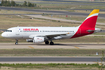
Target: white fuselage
27, 32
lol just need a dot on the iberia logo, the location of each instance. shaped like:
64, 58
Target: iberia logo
30, 29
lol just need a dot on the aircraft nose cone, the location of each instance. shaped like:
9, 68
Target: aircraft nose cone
3, 35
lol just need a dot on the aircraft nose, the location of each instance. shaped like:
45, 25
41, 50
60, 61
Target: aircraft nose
3, 35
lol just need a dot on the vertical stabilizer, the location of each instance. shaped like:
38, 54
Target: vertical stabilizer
88, 26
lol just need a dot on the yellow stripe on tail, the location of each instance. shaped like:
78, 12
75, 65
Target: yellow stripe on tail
94, 12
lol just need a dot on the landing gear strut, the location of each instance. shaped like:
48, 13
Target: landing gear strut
16, 42
46, 42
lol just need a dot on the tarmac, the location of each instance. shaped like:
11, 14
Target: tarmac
48, 12
44, 60
50, 59
58, 19
56, 46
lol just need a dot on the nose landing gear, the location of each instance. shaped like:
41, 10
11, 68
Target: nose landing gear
16, 43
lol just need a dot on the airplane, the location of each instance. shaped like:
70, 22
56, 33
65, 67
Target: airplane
46, 34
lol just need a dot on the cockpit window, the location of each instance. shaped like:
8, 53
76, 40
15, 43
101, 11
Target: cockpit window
8, 31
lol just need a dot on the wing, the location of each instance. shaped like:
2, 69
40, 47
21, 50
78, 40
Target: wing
49, 36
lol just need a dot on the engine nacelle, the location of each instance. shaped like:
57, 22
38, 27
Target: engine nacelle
38, 39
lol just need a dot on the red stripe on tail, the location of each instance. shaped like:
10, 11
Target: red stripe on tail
87, 27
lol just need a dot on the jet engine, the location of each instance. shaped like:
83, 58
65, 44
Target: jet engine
36, 40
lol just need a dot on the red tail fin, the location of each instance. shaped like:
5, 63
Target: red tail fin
88, 26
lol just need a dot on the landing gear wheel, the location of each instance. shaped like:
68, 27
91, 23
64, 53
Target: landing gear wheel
46, 42
51, 43
16, 43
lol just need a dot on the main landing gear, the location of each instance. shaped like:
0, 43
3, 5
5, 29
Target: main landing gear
16, 43
51, 43
47, 42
